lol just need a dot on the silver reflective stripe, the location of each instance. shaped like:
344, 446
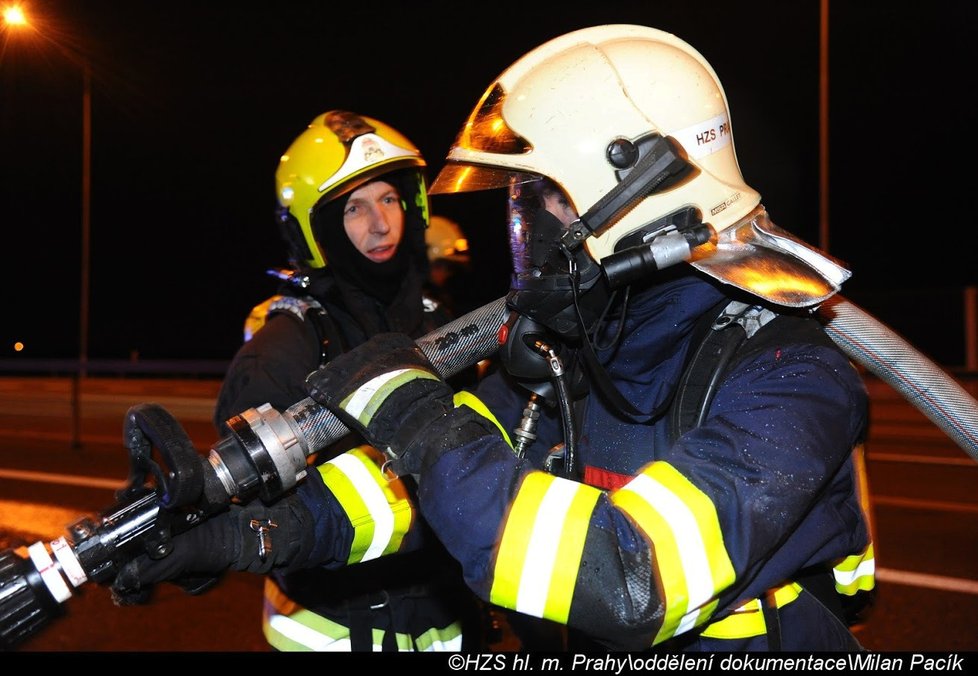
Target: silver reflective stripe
689, 543
451, 646
541, 552
318, 642
847, 577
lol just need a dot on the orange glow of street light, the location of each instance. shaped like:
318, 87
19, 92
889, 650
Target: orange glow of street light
36, 29
13, 15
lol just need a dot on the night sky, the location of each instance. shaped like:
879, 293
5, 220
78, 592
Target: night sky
194, 102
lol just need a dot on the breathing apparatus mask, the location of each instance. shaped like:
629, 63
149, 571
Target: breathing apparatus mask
549, 287
559, 292
549, 281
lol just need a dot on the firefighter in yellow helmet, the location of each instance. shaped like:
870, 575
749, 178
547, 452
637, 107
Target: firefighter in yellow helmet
449, 276
353, 211
691, 483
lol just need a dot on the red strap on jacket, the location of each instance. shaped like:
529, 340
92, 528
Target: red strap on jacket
604, 478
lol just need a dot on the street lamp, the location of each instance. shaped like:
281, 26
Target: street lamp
14, 18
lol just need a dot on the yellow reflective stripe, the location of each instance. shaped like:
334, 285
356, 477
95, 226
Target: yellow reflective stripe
570, 547
748, 619
786, 593
257, 317
465, 398
363, 402
447, 639
657, 529
541, 546
379, 510
856, 573
288, 626
691, 558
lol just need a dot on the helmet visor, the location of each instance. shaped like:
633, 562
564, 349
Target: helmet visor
485, 131
460, 177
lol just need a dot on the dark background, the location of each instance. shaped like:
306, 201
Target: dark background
194, 102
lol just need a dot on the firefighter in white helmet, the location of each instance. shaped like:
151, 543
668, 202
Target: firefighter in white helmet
690, 482
732, 524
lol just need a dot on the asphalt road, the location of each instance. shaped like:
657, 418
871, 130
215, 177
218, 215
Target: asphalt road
923, 486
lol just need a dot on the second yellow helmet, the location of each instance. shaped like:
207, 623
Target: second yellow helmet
338, 152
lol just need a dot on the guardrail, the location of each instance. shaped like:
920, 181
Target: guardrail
118, 368
176, 368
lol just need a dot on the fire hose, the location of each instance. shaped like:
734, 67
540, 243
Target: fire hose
869, 342
266, 455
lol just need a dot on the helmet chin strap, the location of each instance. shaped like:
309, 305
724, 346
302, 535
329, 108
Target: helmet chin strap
599, 375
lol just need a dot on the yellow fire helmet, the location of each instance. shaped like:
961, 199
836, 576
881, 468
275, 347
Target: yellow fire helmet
578, 109
338, 152
445, 240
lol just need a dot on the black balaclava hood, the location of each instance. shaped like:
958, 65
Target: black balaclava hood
379, 296
381, 281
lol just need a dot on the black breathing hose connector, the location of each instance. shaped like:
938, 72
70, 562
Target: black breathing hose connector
625, 267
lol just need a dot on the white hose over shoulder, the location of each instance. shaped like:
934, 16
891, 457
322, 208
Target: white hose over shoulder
923, 383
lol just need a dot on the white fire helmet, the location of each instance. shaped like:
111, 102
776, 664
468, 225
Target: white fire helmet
558, 112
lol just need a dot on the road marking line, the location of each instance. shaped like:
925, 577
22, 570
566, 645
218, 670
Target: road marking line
66, 437
933, 505
64, 479
911, 579
58, 436
922, 459
43, 522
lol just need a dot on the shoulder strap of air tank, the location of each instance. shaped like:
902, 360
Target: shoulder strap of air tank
717, 338
306, 308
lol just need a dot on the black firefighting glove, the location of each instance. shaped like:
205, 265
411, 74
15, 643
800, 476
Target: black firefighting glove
388, 391
254, 538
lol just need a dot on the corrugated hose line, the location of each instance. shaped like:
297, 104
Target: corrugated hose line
923, 383
455, 346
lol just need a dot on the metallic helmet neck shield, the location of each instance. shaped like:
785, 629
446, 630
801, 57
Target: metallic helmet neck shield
757, 256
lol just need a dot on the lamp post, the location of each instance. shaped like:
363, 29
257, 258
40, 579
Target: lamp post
14, 18
86, 218
86, 250
823, 126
